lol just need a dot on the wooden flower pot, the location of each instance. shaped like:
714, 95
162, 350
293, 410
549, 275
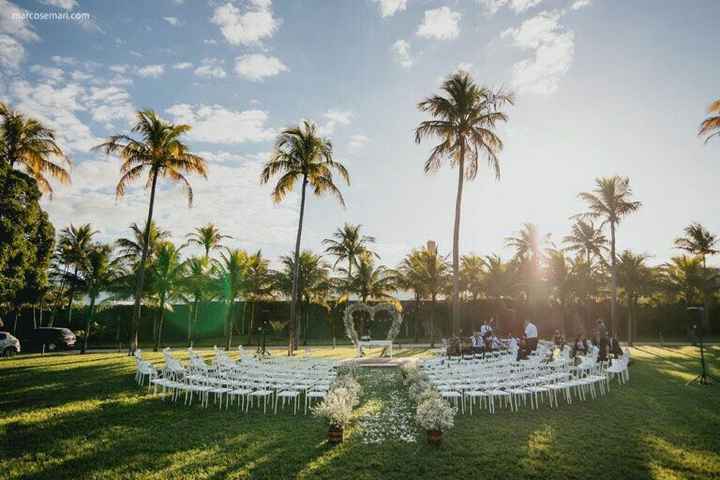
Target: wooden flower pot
434, 437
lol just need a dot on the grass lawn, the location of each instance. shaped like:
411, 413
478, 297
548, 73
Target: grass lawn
73, 416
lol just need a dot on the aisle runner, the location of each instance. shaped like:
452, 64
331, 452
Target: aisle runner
387, 414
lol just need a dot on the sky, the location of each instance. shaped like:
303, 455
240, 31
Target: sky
601, 87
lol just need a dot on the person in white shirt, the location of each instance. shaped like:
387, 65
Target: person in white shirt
531, 335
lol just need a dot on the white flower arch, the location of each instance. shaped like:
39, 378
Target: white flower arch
392, 309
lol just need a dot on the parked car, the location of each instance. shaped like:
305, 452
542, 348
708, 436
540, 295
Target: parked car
54, 338
9, 345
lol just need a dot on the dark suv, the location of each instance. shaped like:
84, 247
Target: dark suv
53, 338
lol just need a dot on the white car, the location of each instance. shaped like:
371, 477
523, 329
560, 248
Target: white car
9, 345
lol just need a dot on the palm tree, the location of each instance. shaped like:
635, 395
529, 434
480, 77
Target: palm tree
196, 285
559, 276
411, 278
99, 272
313, 285
610, 202
27, 143
586, 279
472, 273
131, 248
528, 245
586, 239
634, 277
259, 285
683, 276
166, 275
300, 154
711, 125
500, 279
207, 237
159, 152
233, 276
465, 121
348, 244
74, 245
699, 241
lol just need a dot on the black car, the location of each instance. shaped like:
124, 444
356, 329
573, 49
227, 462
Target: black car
53, 338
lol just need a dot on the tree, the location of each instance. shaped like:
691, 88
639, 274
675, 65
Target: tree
586, 280
25, 142
634, 277
300, 154
559, 277
166, 275
586, 239
610, 202
411, 278
208, 238
529, 244
197, 286
313, 282
98, 271
259, 285
159, 152
699, 241
26, 240
131, 248
684, 278
710, 127
465, 121
472, 273
348, 244
74, 244
233, 278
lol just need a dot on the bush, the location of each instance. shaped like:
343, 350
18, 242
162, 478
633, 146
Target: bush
434, 413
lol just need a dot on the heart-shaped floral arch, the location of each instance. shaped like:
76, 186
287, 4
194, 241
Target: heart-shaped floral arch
392, 309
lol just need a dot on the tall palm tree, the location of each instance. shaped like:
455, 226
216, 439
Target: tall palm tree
159, 153
197, 287
74, 245
233, 277
131, 248
99, 272
683, 277
586, 239
27, 143
586, 279
710, 127
300, 154
699, 241
634, 277
559, 276
500, 279
347, 244
165, 278
472, 273
610, 202
208, 238
411, 278
465, 120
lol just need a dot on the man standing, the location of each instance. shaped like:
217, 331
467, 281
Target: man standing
531, 335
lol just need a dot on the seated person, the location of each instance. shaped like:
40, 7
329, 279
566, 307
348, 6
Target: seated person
580, 345
513, 343
523, 349
477, 343
559, 340
495, 343
615, 347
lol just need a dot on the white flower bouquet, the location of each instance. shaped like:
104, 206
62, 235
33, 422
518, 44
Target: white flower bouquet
352, 386
336, 408
435, 415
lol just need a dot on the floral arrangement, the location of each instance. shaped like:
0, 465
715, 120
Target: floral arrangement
435, 414
353, 388
336, 408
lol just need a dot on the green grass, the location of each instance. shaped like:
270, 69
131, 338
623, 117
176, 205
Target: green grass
73, 416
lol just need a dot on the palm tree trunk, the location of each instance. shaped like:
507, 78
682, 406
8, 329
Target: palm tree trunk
292, 340
456, 244
251, 330
58, 298
158, 338
88, 323
417, 316
613, 267
706, 297
141, 270
70, 300
630, 320
432, 322
228, 324
191, 307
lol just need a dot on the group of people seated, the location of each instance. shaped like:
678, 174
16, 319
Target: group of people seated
486, 340
606, 343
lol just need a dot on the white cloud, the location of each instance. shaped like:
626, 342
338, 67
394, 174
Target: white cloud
440, 23
250, 27
79, 76
216, 124
64, 60
119, 68
13, 23
465, 67
388, 8
578, 4
256, 67
357, 142
210, 41
174, 21
56, 107
109, 104
210, 71
401, 53
182, 65
64, 4
12, 53
152, 71
518, 6
553, 47
51, 74
333, 118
